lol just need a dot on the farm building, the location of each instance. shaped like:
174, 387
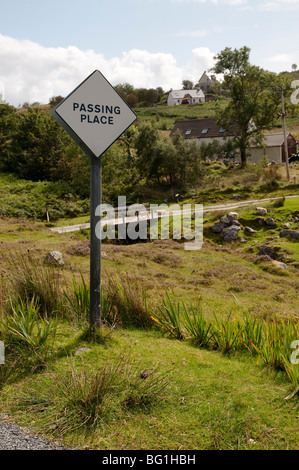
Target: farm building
177, 97
207, 130
274, 148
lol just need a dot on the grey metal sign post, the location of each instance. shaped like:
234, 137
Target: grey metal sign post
94, 115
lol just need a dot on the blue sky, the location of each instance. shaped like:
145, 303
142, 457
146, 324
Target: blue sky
48, 48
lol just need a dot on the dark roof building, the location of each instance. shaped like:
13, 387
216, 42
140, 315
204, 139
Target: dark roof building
201, 129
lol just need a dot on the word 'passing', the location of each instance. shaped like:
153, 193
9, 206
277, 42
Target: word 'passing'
96, 113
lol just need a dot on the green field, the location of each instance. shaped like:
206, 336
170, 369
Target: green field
193, 397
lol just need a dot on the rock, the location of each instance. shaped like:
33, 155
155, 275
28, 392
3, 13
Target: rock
294, 234
249, 230
231, 233
260, 221
217, 228
261, 210
224, 220
279, 264
270, 221
232, 216
296, 219
81, 350
242, 240
54, 257
286, 225
266, 250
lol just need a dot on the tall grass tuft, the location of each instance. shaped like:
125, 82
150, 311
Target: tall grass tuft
252, 333
24, 325
142, 387
78, 301
227, 333
28, 277
85, 398
271, 341
199, 329
169, 317
277, 339
127, 303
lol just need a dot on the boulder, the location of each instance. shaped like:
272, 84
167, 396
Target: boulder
218, 227
261, 210
260, 220
231, 233
270, 221
249, 230
294, 234
279, 264
232, 216
54, 257
224, 220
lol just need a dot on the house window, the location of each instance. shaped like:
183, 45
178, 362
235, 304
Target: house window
188, 131
222, 129
204, 131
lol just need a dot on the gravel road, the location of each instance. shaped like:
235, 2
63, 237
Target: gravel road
13, 437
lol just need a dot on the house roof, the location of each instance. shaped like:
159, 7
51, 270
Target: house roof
275, 140
200, 128
179, 94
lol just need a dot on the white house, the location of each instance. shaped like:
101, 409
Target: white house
176, 97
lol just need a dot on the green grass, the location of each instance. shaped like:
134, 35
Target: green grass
25, 199
135, 388
210, 400
165, 116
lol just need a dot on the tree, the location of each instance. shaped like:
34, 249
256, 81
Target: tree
55, 100
294, 67
254, 98
187, 85
35, 146
145, 141
151, 97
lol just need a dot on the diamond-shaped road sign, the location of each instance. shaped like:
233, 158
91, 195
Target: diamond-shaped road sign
94, 114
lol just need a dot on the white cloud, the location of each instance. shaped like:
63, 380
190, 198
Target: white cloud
280, 5
31, 72
281, 61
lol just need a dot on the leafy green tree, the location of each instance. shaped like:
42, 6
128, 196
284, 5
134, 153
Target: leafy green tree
145, 141
55, 100
151, 97
187, 85
35, 145
254, 98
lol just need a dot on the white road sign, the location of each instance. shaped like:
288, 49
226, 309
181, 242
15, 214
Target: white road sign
94, 114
